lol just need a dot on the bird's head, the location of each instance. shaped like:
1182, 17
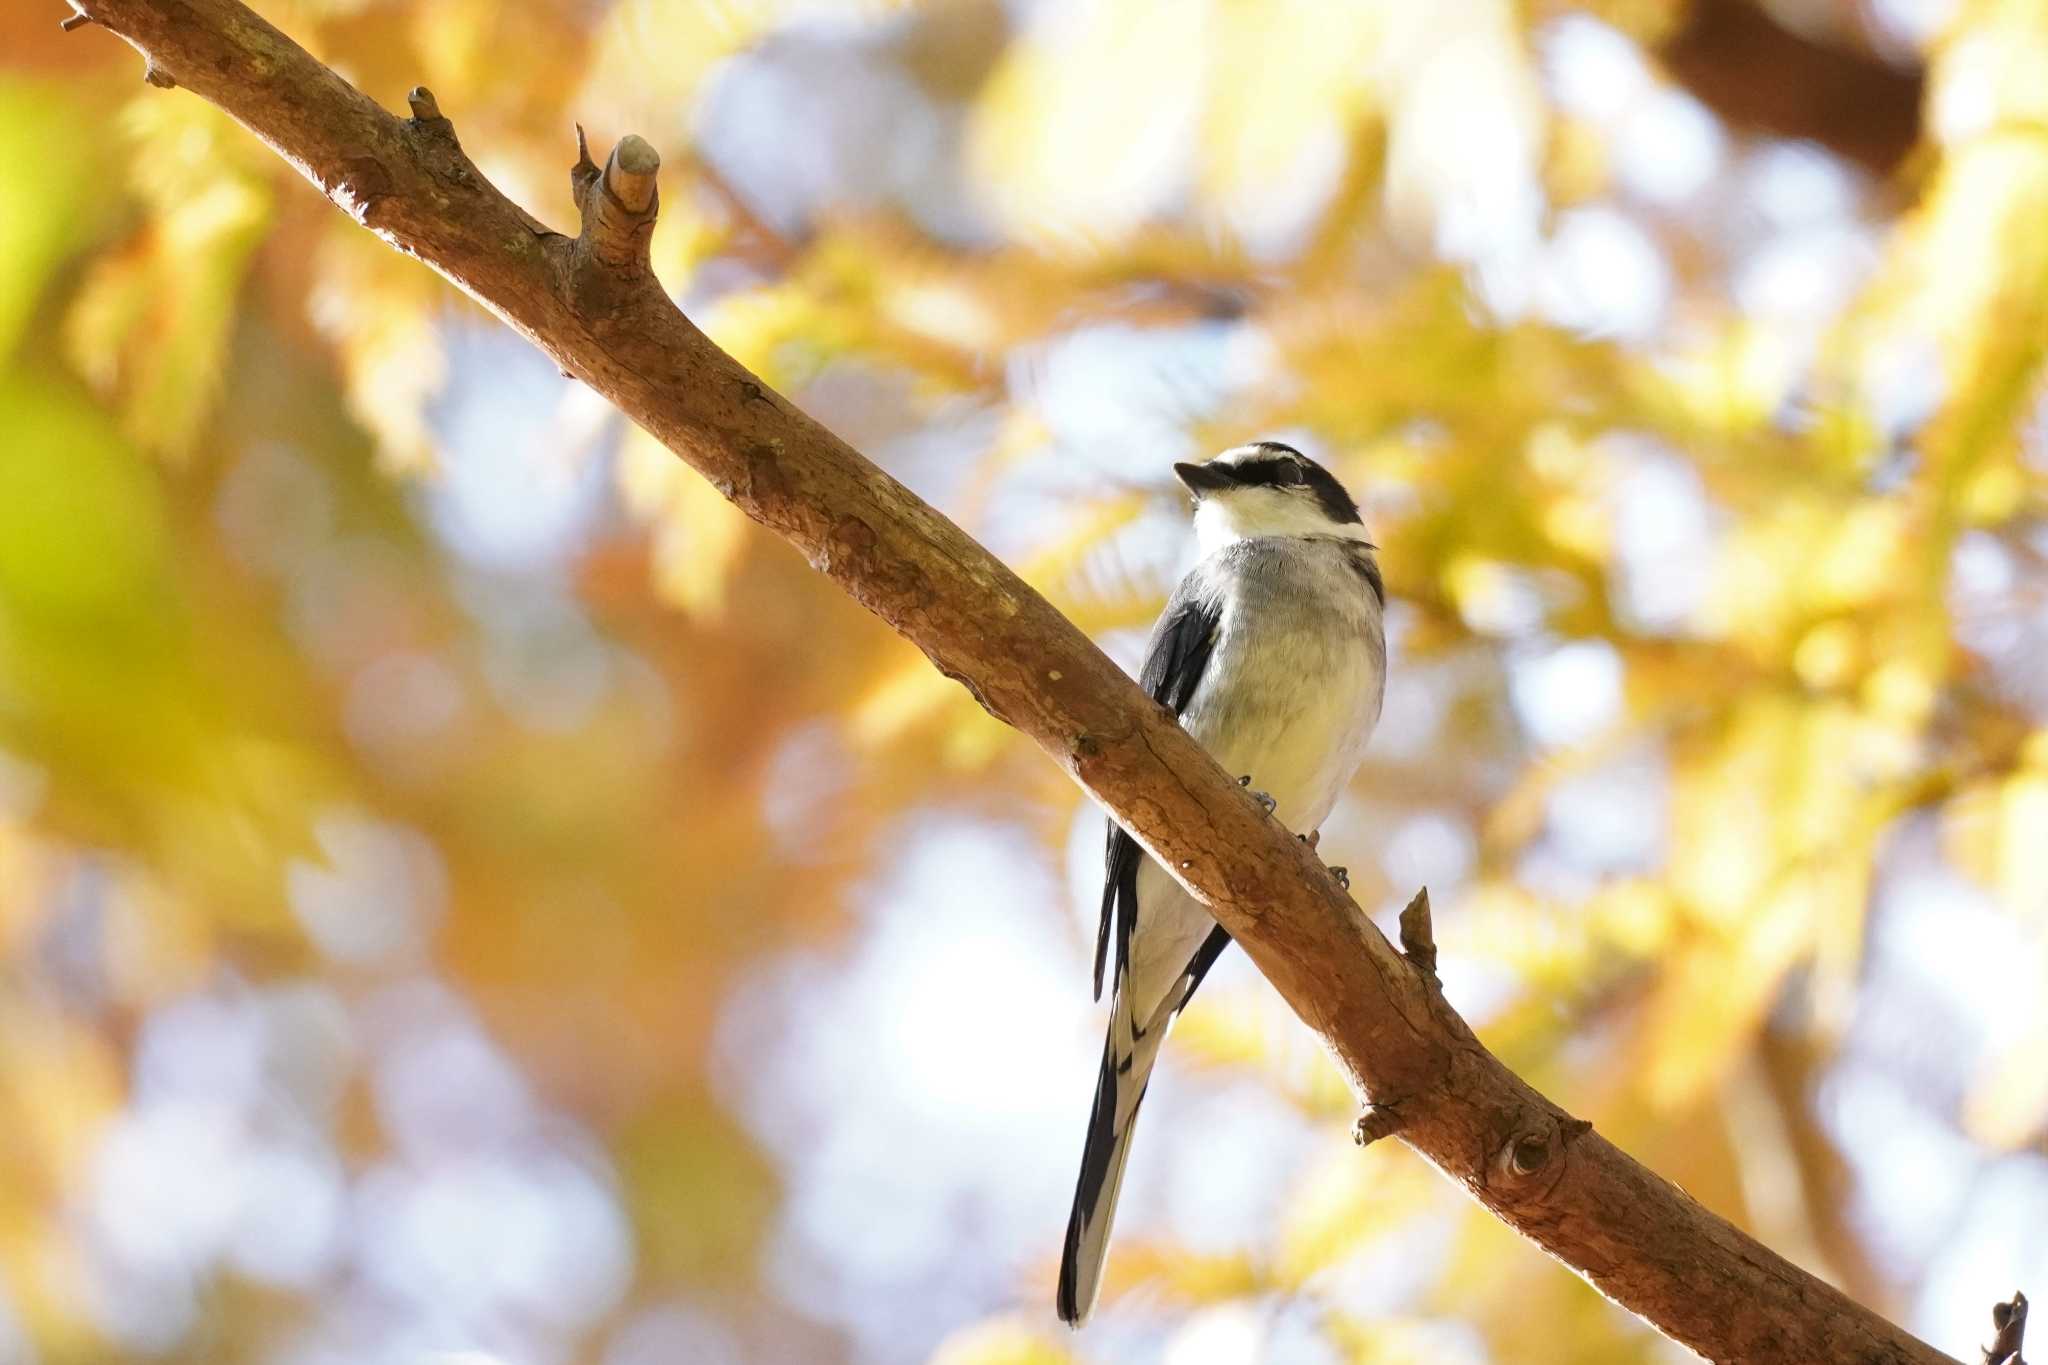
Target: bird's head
1267, 489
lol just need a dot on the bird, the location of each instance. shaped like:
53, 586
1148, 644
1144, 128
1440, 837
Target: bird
1272, 653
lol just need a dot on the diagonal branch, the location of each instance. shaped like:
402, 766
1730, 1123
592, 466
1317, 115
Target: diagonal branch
591, 303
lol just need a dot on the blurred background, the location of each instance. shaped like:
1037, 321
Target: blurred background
468, 896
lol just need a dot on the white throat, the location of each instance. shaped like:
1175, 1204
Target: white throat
1248, 513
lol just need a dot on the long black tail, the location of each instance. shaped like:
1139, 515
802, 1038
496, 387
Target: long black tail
1127, 1057
1102, 1174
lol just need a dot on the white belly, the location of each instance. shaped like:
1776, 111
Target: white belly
1289, 699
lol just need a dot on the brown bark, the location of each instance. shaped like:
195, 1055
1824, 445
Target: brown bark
591, 303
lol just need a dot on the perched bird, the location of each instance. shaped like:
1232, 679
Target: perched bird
1273, 654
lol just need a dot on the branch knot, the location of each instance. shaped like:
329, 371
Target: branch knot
1528, 1165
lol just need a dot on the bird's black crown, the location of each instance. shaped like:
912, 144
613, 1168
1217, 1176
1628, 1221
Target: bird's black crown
1282, 466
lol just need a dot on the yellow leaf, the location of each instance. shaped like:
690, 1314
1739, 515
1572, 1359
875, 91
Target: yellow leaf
659, 50
1859, 557
2023, 851
1713, 999
1971, 271
1080, 129
1736, 379
913, 692
47, 183
1466, 120
1349, 1199
1186, 1277
1266, 144
61, 1082
152, 322
1406, 1341
1252, 1031
2008, 1104
1635, 916
699, 537
378, 308
1992, 831
1005, 1341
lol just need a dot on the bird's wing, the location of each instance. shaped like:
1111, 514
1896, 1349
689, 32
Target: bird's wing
1180, 648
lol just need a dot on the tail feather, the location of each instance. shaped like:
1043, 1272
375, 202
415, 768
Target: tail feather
1118, 1091
1127, 1057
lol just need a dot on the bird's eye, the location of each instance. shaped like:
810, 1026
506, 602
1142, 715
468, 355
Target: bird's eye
1287, 473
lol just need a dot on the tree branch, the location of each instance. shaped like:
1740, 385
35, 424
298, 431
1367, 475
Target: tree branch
1761, 77
592, 304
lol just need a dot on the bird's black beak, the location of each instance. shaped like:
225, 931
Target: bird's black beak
1202, 479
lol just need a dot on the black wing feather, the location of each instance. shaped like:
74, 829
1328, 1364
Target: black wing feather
1179, 652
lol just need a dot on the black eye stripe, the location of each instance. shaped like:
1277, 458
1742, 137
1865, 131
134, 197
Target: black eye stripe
1280, 466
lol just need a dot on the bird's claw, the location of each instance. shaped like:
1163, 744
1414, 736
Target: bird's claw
1266, 803
1313, 838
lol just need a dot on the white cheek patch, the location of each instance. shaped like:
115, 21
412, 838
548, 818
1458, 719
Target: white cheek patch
1248, 513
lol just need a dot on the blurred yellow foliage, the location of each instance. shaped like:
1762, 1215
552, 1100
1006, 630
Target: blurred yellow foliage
999, 1343
352, 675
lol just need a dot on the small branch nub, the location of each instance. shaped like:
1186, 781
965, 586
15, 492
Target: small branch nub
2009, 1320
1378, 1121
618, 204
427, 118
1418, 940
77, 20
629, 174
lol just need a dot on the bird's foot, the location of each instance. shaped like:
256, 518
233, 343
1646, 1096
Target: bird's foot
1313, 838
1266, 803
